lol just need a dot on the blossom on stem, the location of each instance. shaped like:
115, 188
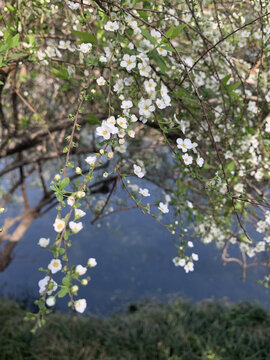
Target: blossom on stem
75, 227
138, 171
55, 265
163, 208
59, 225
80, 305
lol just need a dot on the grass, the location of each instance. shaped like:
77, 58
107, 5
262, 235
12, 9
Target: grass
179, 331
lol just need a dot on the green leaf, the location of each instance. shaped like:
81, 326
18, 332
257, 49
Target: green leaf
64, 183
159, 60
225, 80
84, 36
174, 31
92, 119
59, 197
147, 36
17, 55
66, 280
234, 86
230, 166
143, 14
63, 292
13, 42
188, 98
63, 74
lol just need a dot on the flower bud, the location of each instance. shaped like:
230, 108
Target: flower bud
74, 289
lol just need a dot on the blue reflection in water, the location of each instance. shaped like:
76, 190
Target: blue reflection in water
134, 257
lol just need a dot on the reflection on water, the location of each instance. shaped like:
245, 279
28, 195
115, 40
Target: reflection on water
134, 260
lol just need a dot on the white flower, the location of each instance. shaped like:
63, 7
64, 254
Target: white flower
80, 194
167, 100
121, 133
160, 104
70, 200
75, 227
126, 104
150, 85
104, 131
80, 305
103, 59
50, 301
110, 121
195, 257
43, 242
161, 51
239, 187
187, 159
128, 80
55, 266
144, 69
101, 81
73, 6
59, 225
184, 145
43, 283
121, 121
144, 192
80, 270
252, 107
133, 118
128, 62
50, 51
164, 91
146, 107
92, 262
145, 46
91, 160
260, 246
200, 161
79, 213
190, 244
179, 262
138, 171
189, 267
156, 35
85, 47
182, 262
63, 44
131, 133
267, 125
119, 85
111, 26
163, 208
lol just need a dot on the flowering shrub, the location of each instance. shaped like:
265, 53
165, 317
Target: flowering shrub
185, 84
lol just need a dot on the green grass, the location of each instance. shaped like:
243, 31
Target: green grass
181, 330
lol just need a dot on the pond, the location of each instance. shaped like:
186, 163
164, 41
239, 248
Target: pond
134, 258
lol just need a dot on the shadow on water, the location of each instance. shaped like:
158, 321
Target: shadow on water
134, 255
